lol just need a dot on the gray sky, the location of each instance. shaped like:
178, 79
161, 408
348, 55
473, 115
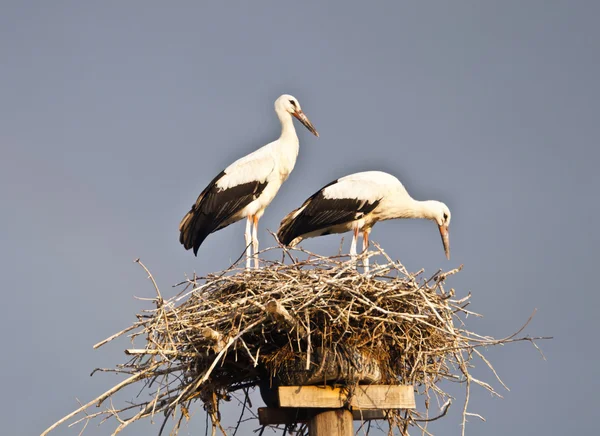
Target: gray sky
115, 115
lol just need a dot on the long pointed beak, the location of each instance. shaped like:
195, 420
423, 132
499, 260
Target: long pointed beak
445, 240
304, 120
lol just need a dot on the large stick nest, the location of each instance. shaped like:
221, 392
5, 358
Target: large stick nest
313, 321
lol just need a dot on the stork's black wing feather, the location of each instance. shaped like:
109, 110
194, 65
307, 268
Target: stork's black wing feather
319, 213
214, 208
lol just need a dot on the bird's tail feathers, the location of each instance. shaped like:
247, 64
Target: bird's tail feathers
193, 230
286, 233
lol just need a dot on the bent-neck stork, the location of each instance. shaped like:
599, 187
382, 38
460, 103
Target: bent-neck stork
247, 186
356, 202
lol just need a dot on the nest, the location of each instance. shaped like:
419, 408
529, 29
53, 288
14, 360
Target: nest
313, 321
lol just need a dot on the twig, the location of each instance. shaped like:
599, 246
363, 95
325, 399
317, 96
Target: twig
223, 332
275, 308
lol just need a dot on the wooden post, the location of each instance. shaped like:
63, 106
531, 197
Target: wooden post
333, 422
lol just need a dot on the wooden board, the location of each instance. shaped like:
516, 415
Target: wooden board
292, 415
364, 397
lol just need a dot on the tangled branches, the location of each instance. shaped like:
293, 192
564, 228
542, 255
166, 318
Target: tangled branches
313, 321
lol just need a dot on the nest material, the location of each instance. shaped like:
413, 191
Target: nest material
313, 321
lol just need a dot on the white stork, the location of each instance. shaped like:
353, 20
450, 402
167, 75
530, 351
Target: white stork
247, 186
356, 202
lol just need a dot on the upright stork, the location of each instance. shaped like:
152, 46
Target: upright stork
355, 203
247, 186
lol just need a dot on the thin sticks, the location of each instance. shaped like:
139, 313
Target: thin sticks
223, 332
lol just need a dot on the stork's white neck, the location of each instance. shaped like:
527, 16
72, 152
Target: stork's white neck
427, 209
288, 131
287, 146
407, 207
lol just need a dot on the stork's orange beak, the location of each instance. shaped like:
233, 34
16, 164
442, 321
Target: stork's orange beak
445, 239
304, 120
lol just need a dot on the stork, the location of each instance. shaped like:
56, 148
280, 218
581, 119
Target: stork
355, 203
247, 186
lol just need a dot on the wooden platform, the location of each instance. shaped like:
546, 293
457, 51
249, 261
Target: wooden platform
363, 397
301, 403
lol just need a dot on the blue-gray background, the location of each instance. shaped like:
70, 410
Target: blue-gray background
114, 116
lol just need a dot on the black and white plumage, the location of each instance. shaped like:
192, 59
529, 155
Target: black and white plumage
247, 186
355, 203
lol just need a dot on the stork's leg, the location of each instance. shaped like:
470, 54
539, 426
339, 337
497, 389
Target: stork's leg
353, 244
255, 240
365, 249
248, 238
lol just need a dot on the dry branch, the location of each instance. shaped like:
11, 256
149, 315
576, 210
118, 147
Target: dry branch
314, 321
275, 308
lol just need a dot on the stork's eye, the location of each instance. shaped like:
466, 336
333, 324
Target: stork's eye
445, 216
293, 103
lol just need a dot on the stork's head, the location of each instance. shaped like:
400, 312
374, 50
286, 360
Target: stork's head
441, 215
288, 103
